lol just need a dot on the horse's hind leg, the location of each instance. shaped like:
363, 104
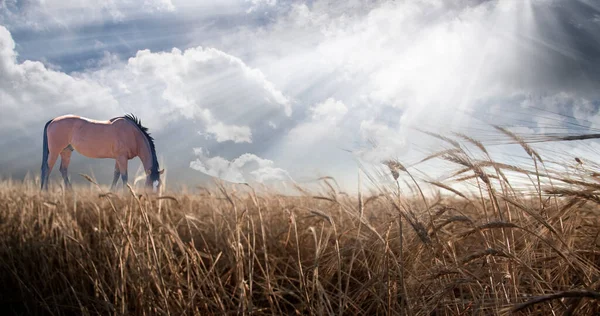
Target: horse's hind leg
116, 175
65, 159
52, 157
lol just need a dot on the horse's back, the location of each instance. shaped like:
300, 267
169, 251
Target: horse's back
77, 118
65, 118
91, 138
62, 126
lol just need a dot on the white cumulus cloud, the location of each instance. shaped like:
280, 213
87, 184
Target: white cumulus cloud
32, 93
247, 168
206, 84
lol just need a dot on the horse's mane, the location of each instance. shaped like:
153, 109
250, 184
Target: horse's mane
132, 118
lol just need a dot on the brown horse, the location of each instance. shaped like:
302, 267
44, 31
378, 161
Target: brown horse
121, 138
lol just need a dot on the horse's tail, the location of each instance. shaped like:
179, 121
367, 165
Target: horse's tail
45, 153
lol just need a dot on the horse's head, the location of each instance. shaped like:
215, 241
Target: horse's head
153, 180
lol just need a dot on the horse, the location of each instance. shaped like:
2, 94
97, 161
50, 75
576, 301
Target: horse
121, 138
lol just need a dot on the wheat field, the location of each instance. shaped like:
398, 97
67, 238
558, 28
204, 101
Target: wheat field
503, 247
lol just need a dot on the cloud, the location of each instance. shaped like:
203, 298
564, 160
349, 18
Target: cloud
257, 4
383, 142
561, 111
237, 134
438, 61
32, 93
436, 65
247, 168
206, 84
323, 125
330, 110
219, 90
41, 14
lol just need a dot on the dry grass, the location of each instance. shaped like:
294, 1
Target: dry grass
495, 250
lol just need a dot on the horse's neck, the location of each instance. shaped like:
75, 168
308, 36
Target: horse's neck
145, 154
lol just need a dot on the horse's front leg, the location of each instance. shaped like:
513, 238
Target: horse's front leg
122, 164
116, 175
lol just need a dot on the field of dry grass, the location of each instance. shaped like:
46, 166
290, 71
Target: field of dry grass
499, 248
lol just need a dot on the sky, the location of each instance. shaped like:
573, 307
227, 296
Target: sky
265, 91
